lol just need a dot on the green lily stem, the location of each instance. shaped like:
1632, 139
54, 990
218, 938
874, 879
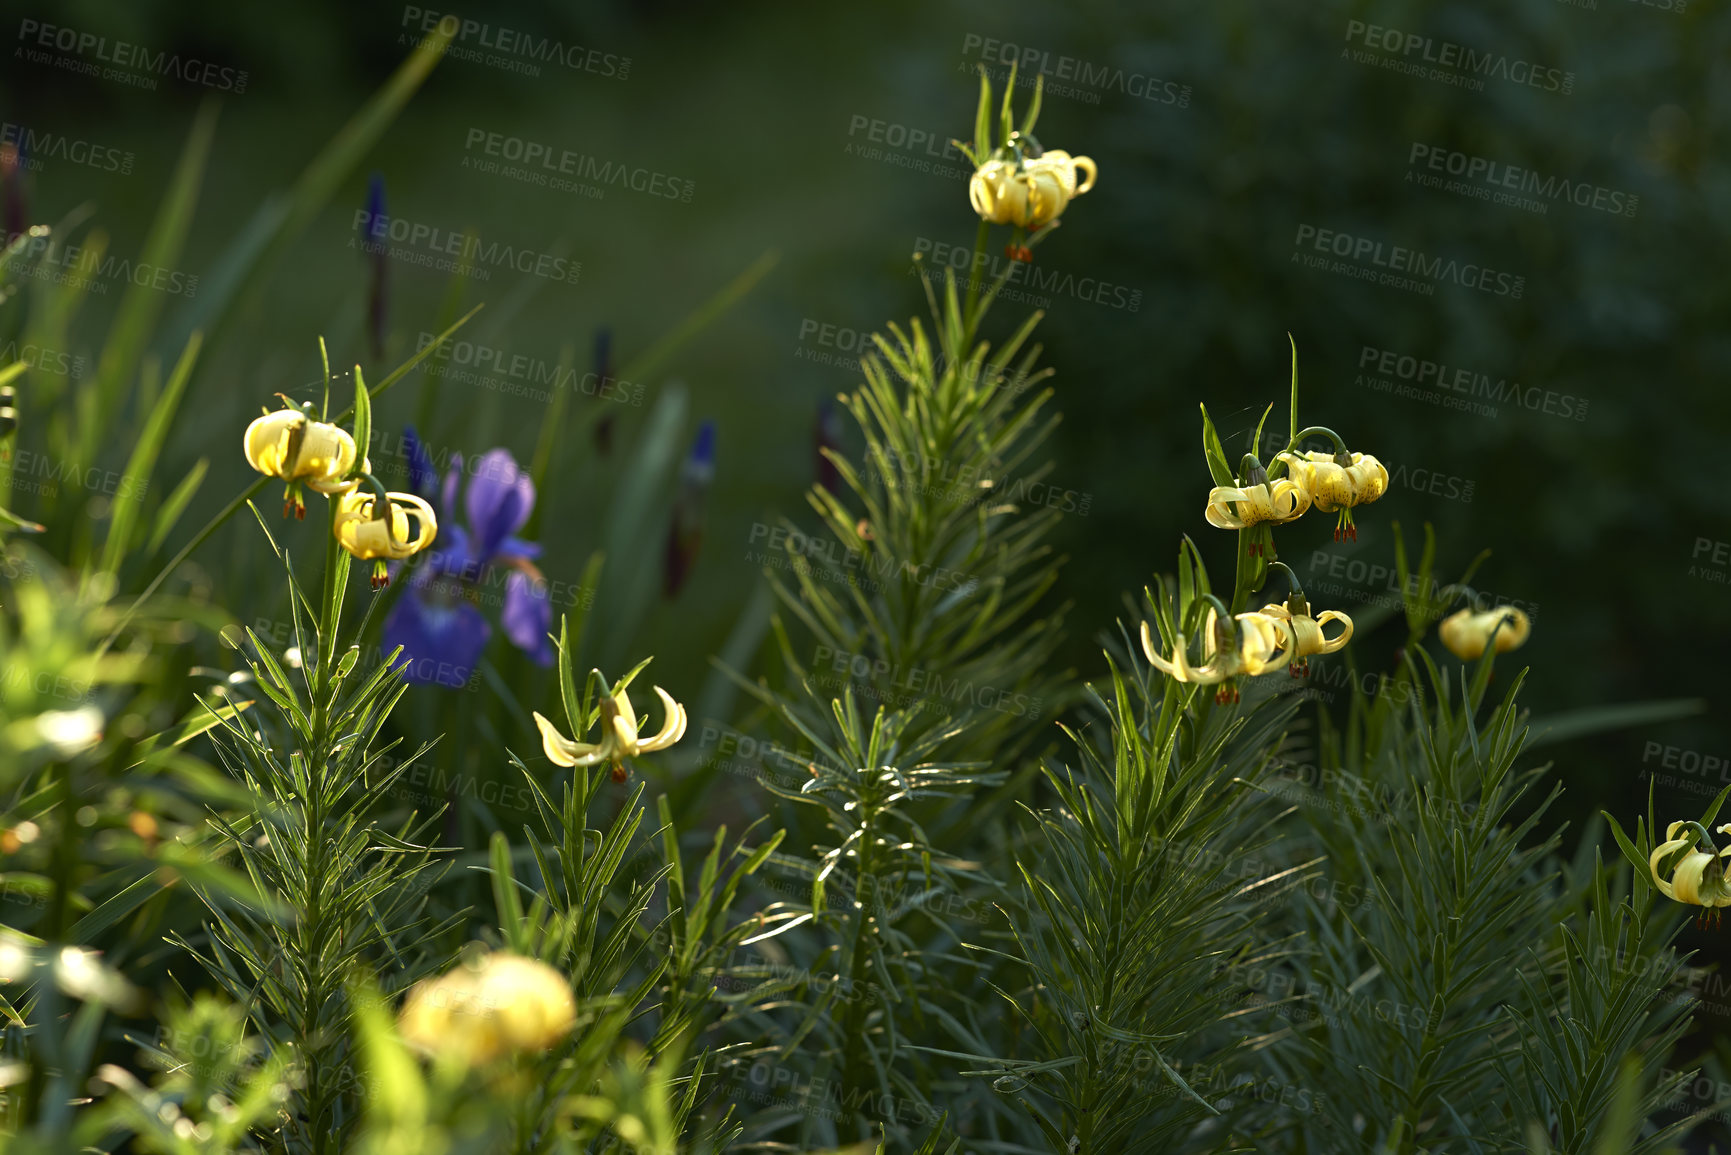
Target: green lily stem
1291, 578
970, 320
1278, 466
857, 1064
309, 923
1240, 575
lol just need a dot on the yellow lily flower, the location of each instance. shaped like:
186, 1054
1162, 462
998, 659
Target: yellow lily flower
1467, 632
503, 1004
1265, 642
1696, 876
1220, 662
619, 737
1334, 486
1030, 194
290, 445
1307, 631
376, 535
1274, 503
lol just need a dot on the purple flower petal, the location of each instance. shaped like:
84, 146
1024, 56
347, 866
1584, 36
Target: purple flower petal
517, 547
448, 495
441, 643
499, 500
528, 617
422, 478
451, 557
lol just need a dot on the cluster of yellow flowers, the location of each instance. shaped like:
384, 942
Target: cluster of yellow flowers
371, 524
499, 1004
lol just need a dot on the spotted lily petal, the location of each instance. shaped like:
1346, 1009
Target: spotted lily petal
1332, 486
1274, 503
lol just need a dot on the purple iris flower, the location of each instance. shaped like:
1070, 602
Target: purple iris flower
437, 620
374, 235
685, 534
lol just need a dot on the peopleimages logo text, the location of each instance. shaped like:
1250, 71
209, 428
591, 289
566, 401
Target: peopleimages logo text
121, 54
1499, 175
57, 146
1367, 252
465, 248
1069, 76
1416, 51
472, 38
546, 163
1440, 376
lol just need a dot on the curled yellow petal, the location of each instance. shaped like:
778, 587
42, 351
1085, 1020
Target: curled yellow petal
562, 751
361, 530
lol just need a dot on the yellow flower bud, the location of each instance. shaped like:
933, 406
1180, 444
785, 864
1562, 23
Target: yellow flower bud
502, 1004
1467, 632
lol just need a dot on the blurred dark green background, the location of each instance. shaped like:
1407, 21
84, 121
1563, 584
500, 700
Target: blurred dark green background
1222, 132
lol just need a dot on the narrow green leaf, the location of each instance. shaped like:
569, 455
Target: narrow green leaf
168, 514
136, 479
1214, 453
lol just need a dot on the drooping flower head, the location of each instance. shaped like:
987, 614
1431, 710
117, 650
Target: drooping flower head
382, 529
497, 1005
1308, 637
1016, 182
1337, 482
1683, 871
1468, 632
438, 621
620, 738
1029, 193
1257, 503
685, 534
1307, 631
1224, 650
290, 445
